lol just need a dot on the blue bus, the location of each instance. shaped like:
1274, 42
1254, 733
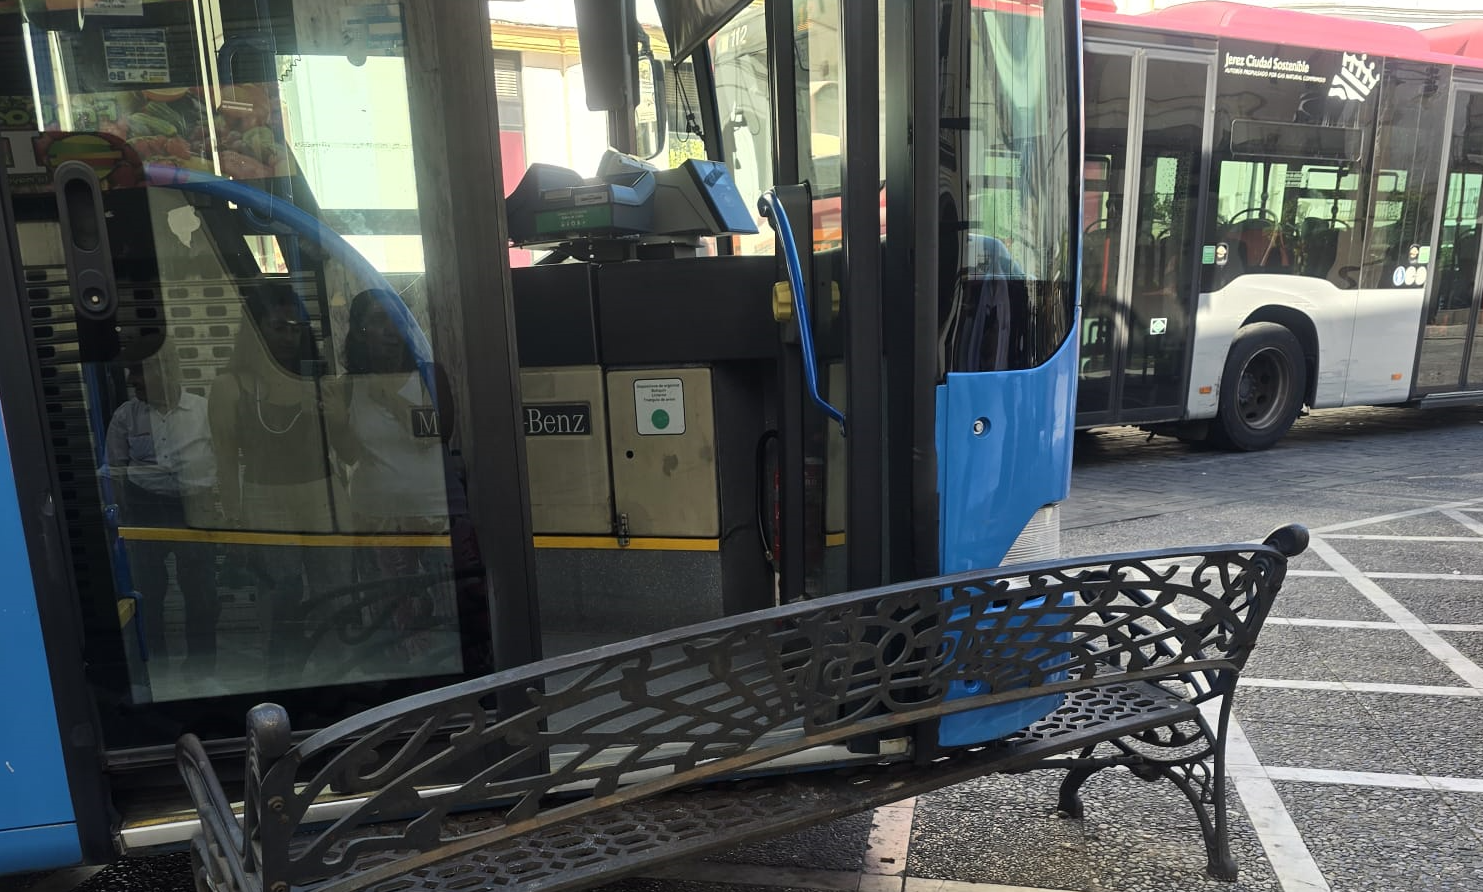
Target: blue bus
324, 383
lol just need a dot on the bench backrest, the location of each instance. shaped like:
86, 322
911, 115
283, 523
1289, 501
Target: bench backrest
574, 734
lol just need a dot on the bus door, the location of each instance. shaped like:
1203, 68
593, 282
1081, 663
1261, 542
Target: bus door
1147, 125
680, 469
257, 290
1451, 356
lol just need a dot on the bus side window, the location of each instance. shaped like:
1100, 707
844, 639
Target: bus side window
1281, 218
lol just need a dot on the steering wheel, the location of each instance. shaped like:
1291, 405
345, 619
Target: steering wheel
1096, 225
1258, 212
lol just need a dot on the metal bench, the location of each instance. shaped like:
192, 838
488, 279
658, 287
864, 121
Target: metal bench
585, 768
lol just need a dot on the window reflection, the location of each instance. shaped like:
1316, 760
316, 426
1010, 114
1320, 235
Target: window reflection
391, 439
1008, 270
286, 524
161, 464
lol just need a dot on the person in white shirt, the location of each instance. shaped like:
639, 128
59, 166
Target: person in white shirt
163, 467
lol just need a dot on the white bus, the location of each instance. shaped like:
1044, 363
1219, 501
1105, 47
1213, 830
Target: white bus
1282, 212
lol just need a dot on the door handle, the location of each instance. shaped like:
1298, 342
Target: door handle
772, 208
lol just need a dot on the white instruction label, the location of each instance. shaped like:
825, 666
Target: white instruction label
659, 404
115, 7
136, 55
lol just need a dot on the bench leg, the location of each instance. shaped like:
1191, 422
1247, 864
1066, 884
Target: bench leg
1068, 801
1199, 773
1206, 791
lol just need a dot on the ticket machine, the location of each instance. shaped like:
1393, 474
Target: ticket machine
648, 453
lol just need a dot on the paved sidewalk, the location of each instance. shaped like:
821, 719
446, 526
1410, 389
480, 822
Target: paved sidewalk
1357, 764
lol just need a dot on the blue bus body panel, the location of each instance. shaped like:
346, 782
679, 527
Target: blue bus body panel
37, 824
991, 484
39, 848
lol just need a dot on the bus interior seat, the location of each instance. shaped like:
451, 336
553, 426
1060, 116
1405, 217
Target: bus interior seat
1382, 247
1259, 246
1153, 267
1455, 291
1344, 266
1099, 249
1321, 247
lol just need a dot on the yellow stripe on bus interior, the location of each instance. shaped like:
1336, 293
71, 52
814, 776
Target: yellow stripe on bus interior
240, 537
605, 543
404, 540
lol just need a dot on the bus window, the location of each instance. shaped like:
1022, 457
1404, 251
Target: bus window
539, 78
743, 99
1009, 269
1163, 233
1446, 363
1290, 218
1108, 81
1412, 119
1291, 185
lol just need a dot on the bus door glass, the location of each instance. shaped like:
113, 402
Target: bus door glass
229, 258
1451, 351
1109, 86
1160, 287
819, 89
808, 529
1145, 135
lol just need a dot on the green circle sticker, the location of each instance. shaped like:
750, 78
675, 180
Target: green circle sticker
660, 419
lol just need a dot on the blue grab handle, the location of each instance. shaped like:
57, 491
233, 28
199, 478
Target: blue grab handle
772, 208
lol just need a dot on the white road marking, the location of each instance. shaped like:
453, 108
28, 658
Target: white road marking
1377, 779
1450, 577
1466, 504
1364, 687
1381, 574
1471, 523
1450, 656
890, 837
1329, 623
1287, 853
1315, 622
1392, 538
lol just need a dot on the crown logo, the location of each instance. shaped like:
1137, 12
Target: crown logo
1356, 79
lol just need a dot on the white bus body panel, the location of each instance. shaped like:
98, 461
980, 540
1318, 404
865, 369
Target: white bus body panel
1365, 337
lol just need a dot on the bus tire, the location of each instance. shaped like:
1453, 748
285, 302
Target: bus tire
1261, 388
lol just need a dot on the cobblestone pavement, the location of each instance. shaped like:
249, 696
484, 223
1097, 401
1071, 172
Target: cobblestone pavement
1356, 765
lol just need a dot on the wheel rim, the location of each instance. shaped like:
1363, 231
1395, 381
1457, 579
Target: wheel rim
1261, 391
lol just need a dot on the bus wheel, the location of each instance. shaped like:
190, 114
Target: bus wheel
1261, 389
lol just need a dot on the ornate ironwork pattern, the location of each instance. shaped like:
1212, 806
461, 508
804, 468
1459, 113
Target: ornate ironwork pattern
623, 724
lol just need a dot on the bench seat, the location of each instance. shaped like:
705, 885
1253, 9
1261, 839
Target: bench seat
611, 762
